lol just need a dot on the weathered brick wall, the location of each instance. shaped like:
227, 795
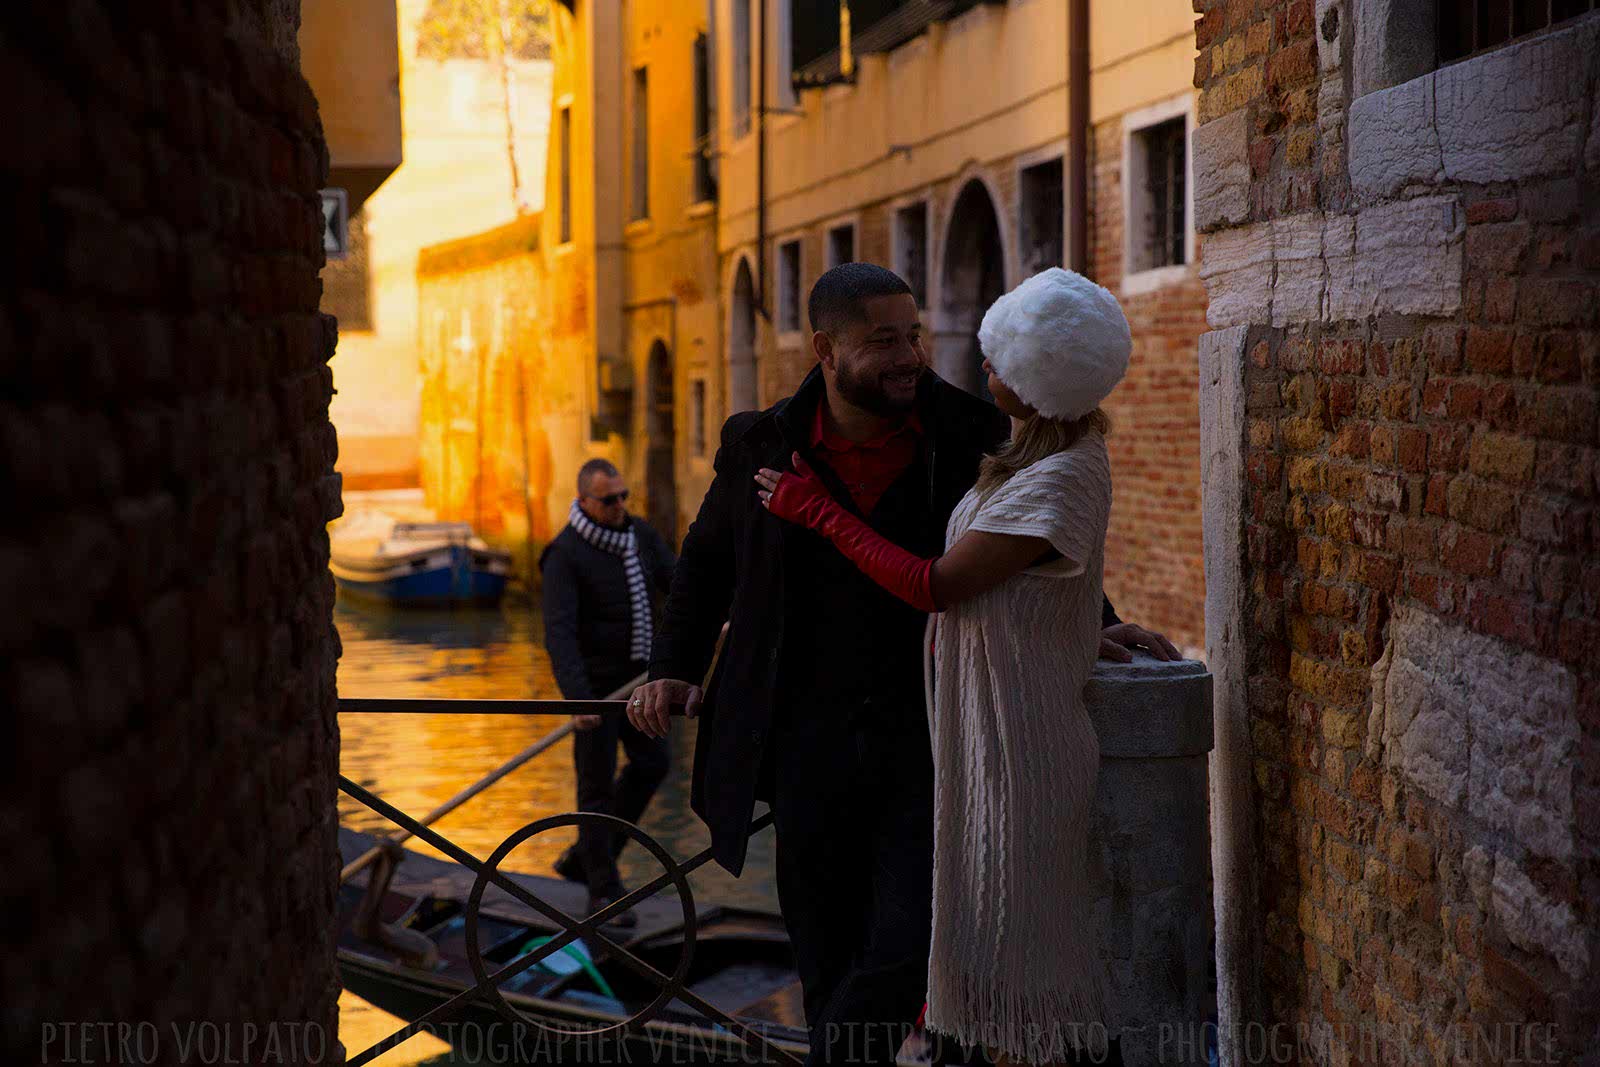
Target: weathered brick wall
169, 818
1402, 276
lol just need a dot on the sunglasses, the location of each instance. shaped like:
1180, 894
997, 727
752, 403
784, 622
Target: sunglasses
611, 500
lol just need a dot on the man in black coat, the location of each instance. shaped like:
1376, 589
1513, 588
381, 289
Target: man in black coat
816, 704
603, 576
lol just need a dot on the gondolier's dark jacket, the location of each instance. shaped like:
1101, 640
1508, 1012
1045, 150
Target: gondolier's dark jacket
588, 617
781, 593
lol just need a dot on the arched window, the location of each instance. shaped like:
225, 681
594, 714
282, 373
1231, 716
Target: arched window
972, 277
742, 342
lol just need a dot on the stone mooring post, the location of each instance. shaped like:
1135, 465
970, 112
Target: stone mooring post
1150, 855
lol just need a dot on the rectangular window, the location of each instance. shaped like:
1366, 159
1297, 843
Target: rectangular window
841, 245
1159, 226
741, 67
346, 282
911, 249
705, 180
1467, 27
789, 286
565, 191
641, 143
697, 417
1043, 222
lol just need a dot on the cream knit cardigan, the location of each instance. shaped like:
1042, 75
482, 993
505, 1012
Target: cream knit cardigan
1014, 963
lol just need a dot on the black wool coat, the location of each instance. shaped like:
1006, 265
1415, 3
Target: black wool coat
588, 618
733, 567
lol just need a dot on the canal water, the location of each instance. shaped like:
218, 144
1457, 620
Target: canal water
418, 761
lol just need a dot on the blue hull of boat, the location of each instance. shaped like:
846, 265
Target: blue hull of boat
435, 586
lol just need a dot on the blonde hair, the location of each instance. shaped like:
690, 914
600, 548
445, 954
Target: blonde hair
1038, 436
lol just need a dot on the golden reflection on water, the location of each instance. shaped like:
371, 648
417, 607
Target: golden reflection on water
416, 762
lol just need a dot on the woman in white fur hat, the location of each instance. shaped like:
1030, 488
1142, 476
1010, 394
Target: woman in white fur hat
1014, 965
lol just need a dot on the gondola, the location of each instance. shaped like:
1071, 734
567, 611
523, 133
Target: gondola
741, 963
422, 564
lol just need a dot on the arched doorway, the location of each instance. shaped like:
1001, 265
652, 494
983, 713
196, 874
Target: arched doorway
742, 342
661, 461
973, 277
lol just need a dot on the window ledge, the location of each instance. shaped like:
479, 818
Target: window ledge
1499, 116
638, 228
702, 209
1148, 281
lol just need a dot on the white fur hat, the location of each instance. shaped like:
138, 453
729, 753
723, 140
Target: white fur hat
1059, 341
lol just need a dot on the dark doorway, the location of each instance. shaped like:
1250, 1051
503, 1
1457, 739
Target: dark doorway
973, 277
661, 461
742, 343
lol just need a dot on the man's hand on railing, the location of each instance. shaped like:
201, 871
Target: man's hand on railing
1118, 642
650, 707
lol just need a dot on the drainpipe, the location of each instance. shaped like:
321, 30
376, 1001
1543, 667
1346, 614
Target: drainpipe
761, 165
1078, 135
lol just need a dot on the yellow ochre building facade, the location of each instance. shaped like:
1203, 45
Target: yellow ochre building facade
707, 161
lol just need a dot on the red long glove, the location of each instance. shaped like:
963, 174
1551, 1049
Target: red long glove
801, 497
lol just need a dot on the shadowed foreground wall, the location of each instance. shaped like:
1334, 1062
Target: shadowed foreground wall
168, 824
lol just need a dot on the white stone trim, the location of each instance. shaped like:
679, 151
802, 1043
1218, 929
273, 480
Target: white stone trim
1133, 122
1233, 851
1510, 114
1220, 164
1403, 258
1150, 281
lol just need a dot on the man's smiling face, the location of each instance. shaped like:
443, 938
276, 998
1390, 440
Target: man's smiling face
877, 357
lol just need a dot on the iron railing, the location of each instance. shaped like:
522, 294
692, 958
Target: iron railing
487, 872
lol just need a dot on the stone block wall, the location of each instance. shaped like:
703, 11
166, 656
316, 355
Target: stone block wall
1401, 426
171, 744
1147, 856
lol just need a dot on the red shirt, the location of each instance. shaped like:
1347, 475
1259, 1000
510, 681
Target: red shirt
867, 468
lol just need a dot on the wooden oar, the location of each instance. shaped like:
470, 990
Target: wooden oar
613, 704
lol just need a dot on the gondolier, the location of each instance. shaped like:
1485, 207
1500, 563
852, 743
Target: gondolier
604, 575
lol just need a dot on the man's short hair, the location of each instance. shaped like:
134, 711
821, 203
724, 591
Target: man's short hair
837, 297
587, 472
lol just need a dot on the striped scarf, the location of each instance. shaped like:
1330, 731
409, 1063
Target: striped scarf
622, 543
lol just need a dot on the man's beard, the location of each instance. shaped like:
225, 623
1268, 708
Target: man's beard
867, 394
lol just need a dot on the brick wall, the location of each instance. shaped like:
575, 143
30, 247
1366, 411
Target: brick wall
1155, 571
169, 818
1407, 313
